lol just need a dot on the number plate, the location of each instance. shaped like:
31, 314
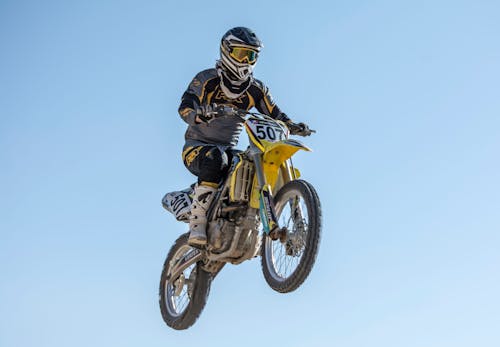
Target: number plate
266, 130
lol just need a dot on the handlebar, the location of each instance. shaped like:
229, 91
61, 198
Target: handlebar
300, 129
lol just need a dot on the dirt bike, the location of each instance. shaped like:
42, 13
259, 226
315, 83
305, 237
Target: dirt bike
246, 220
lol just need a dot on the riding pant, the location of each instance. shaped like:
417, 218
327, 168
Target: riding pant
206, 161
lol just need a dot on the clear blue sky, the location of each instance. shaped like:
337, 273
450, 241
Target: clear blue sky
405, 96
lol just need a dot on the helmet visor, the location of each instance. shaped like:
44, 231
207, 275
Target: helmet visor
244, 55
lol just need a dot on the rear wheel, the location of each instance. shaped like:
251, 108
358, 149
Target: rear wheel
287, 263
183, 298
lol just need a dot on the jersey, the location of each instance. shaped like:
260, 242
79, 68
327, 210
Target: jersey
205, 89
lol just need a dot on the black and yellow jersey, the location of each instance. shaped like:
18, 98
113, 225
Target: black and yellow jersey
205, 89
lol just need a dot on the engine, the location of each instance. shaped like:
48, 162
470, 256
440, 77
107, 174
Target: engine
235, 241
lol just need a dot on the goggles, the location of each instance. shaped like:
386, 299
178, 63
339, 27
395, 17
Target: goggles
244, 55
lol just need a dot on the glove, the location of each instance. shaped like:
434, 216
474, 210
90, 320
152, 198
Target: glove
300, 129
207, 113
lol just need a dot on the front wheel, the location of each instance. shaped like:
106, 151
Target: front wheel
287, 263
183, 298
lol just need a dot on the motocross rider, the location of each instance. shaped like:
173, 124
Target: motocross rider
212, 92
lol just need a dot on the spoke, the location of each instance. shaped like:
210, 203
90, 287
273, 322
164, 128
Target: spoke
287, 262
182, 300
280, 257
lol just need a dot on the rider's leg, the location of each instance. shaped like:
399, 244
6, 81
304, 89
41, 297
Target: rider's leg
209, 163
203, 196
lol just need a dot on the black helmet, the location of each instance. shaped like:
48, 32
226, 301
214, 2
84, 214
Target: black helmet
239, 49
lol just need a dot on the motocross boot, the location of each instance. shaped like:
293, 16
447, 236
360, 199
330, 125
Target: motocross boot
203, 196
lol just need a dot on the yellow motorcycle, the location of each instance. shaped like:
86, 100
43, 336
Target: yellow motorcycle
262, 208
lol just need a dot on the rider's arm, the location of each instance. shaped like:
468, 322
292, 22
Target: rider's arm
193, 97
188, 106
264, 102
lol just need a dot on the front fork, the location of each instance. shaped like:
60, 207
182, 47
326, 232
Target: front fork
267, 210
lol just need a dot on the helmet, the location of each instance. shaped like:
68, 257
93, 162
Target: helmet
239, 49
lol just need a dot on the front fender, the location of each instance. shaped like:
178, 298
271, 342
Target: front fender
275, 154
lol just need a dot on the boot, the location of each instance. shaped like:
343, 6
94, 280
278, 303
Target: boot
203, 196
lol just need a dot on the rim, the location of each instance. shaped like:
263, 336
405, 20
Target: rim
178, 293
284, 258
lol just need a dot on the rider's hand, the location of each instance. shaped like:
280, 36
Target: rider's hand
300, 129
207, 113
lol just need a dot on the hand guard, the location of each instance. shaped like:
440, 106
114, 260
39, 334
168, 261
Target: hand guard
300, 129
207, 113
